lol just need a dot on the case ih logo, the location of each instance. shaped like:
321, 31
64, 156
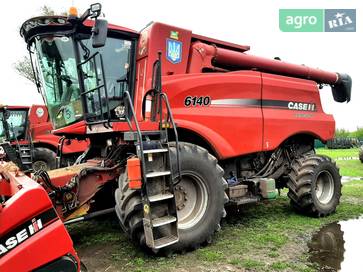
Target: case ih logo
317, 20
20, 236
26, 230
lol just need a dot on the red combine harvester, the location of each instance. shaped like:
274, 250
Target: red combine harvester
32, 238
26, 137
245, 126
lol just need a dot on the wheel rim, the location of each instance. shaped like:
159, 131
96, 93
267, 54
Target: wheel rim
191, 198
40, 165
324, 189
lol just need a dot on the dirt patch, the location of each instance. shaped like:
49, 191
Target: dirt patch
96, 257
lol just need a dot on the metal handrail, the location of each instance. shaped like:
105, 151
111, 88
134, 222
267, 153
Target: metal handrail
127, 97
164, 97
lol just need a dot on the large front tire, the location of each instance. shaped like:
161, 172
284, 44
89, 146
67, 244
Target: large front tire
314, 185
200, 198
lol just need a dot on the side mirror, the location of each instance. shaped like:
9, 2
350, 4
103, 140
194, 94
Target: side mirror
99, 33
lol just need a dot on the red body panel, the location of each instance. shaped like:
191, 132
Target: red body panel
231, 130
279, 124
49, 243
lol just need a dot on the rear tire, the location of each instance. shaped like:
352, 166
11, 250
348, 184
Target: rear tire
197, 167
361, 154
43, 159
314, 185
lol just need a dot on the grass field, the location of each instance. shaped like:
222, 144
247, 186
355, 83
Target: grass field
352, 168
338, 153
268, 236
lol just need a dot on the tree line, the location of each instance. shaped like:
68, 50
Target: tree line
343, 133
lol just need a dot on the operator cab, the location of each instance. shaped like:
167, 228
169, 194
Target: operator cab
82, 67
13, 124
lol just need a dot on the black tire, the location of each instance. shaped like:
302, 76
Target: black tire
361, 154
129, 210
314, 185
43, 158
195, 160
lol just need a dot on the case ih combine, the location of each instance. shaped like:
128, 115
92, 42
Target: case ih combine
26, 135
237, 126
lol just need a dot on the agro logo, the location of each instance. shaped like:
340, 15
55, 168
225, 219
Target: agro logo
20, 236
317, 20
173, 51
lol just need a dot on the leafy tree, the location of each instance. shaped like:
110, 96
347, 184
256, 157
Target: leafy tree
24, 68
46, 11
341, 133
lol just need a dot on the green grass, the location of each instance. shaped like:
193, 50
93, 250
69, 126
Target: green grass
353, 189
338, 153
352, 168
268, 236
280, 266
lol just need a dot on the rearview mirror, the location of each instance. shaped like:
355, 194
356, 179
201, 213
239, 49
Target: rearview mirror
99, 33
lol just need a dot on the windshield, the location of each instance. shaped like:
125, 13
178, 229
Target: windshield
15, 123
57, 70
104, 72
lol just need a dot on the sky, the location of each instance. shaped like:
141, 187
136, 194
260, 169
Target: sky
254, 23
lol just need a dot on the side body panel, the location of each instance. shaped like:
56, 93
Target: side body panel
292, 106
249, 111
230, 125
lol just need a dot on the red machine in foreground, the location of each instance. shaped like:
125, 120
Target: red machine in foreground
26, 135
32, 237
245, 126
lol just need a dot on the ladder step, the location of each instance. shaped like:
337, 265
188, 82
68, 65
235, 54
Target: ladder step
166, 241
159, 150
157, 174
161, 221
160, 197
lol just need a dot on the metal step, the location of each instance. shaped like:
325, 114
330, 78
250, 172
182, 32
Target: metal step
157, 174
161, 221
159, 150
160, 197
25, 156
165, 241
